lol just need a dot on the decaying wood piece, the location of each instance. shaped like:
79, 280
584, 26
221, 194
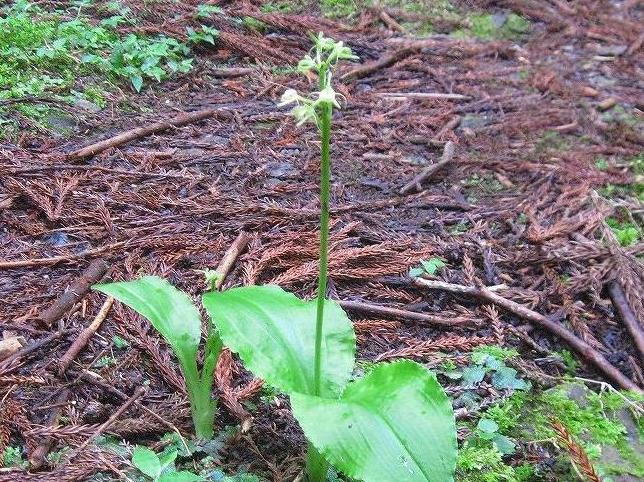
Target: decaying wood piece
416, 182
404, 315
84, 337
79, 288
580, 346
139, 132
626, 314
383, 62
230, 257
38, 455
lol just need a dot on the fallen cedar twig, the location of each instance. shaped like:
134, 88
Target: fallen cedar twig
139, 132
28, 263
84, 337
577, 453
415, 183
388, 312
93, 274
229, 258
119, 172
383, 62
135, 396
626, 314
37, 456
583, 348
421, 95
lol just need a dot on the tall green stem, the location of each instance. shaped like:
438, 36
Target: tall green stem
316, 465
326, 110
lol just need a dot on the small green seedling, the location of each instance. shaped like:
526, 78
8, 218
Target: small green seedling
160, 468
177, 319
488, 429
429, 266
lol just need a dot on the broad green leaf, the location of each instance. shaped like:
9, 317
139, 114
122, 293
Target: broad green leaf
182, 476
473, 375
146, 461
504, 445
396, 424
169, 310
168, 458
487, 428
274, 334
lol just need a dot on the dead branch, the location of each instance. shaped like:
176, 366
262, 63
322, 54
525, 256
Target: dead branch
387, 61
627, 315
404, 315
421, 95
230, 257
84, 337
139, 132
583, 348
416, 182
29, 263
93, 274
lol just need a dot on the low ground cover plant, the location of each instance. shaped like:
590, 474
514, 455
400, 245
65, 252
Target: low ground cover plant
396, 423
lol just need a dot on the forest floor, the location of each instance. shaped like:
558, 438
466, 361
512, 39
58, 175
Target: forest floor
542, 201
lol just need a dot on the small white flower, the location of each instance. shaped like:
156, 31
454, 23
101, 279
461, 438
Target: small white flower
328, 95
290, 96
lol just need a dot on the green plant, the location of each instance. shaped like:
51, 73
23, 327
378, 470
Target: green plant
173, 314
626, 233
428, 266
396, 423
160, 468
306, 349
489, 360
12, 457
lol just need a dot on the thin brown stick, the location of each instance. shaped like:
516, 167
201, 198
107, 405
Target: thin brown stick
583, 348
449, 126
230, 257
84, 337
422, 95
29, 263
139, 132
37, 456
389, 21
416, 182
79, 288
387, 61
96, 379
137, 394
404, 315
626, 314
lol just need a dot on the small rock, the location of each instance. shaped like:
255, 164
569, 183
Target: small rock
282, 170
499, 19
87, 105
58, 239
11, 345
